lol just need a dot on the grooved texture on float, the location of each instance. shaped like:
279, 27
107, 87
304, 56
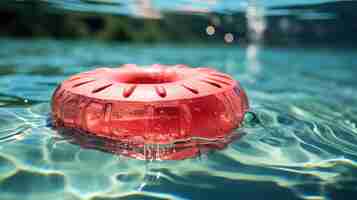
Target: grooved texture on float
195, 103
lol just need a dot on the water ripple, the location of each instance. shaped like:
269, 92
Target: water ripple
299, 142
279, 146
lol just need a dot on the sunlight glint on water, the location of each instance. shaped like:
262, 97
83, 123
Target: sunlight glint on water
256, 27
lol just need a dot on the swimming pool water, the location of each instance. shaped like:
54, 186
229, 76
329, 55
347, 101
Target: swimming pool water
303, 144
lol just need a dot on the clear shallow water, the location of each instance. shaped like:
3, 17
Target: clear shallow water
303, 144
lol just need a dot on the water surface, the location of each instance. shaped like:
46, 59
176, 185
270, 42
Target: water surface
303, 144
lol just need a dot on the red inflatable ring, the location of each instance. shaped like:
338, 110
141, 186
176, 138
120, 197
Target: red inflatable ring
152, 105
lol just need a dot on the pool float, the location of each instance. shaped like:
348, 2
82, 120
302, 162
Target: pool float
154, 105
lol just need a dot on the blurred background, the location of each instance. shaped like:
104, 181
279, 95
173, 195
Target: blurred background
287, 22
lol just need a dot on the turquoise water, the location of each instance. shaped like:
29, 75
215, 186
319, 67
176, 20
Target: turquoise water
302, 145
150, 8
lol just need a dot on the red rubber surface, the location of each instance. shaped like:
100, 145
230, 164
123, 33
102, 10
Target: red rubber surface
154, 105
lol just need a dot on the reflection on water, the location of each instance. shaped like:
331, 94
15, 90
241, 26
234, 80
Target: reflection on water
302, 143
256, 27
178, 150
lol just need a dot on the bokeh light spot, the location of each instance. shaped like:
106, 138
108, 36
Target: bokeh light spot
210, 30
228, 37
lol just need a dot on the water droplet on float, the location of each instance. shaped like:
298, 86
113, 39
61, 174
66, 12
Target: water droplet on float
197, 109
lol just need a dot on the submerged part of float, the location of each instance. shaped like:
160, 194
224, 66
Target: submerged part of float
156, 105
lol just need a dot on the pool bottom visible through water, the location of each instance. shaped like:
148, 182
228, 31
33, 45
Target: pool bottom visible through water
302, 144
